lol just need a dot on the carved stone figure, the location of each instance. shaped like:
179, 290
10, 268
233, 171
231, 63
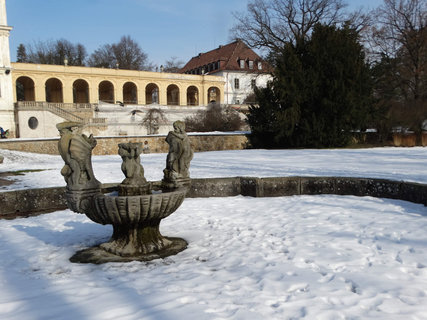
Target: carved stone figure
75, 149
135, 182
179, 156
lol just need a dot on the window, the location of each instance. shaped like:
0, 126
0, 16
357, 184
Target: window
251, 64
236, 83
242, 64
259, 65
253, 83
33, 123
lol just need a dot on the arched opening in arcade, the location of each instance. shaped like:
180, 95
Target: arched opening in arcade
53, 88
192, 96
25, 89
173, 95
106, 92
151, 93
80, 91
214, 95
130, 93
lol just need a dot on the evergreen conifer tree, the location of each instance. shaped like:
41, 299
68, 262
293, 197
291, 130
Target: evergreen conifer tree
320, 93
21, 54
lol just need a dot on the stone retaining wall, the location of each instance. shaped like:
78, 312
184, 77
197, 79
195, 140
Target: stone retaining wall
35, 201
108, 145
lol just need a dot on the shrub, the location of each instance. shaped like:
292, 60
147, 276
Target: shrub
214, 118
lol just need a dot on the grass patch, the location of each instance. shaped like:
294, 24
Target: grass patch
19, 172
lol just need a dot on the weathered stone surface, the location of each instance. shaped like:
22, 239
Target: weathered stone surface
276, 187
317, 185
27, 202
75, 149
1, 158
98, 255
37, 200
176, 173
136, 210
251, 187
31, 201
214, 187
135, 183
9, 204
351, 186
414, 192
383, 188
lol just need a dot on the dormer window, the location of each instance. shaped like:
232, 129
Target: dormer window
251, 64
259, 65
242, 64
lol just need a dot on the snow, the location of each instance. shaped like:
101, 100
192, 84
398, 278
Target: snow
408, 164
311, 257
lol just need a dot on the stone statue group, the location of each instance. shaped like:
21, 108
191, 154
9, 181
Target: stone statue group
76, 151
135, 213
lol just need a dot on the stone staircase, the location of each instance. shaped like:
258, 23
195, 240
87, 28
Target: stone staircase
67, 111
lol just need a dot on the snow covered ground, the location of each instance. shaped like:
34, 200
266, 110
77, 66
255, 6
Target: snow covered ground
408, 164
301, 257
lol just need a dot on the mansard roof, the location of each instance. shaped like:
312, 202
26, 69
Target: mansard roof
226, 58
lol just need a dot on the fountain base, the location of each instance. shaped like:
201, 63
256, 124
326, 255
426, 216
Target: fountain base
98, 255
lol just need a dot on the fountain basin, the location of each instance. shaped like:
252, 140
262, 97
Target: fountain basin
135, 210
135, 221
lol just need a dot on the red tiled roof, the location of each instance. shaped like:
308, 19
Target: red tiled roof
229, 57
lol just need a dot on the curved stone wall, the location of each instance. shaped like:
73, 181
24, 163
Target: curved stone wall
36, 201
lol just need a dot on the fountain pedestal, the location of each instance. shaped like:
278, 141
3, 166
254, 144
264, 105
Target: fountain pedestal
135, 221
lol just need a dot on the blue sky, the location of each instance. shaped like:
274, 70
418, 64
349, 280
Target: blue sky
163, 28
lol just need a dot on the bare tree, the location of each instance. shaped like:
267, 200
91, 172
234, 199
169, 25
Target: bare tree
125, 54
173, 65
56, 52
400, 36
269, 24
41, 52
154, 118
73, 54
102, 57
399, 42
129, 54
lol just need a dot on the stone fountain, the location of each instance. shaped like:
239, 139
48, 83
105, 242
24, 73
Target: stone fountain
136, 210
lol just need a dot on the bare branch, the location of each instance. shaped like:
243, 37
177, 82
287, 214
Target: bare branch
272, 23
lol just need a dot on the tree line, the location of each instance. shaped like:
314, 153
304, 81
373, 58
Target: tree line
124, 54
336, 72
